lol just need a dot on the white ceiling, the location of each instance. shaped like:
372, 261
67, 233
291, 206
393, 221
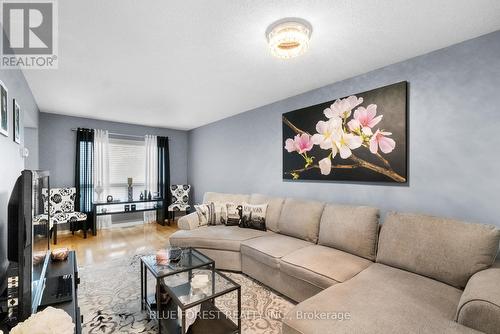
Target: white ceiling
183, 64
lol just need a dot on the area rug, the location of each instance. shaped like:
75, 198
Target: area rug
109, 298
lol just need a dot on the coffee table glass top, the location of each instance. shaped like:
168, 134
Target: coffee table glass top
188, 292
190, 259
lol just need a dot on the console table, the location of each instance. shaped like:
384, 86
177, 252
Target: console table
118, 207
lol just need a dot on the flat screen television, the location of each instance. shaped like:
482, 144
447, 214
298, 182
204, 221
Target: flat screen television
28, 238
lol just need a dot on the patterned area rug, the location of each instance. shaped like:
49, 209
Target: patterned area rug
109, 298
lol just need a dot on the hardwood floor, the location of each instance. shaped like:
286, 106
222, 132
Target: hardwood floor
117, 242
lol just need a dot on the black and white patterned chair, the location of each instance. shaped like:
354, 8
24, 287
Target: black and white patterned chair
180, 199
62, 210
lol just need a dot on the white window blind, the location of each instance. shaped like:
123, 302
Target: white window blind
126, 159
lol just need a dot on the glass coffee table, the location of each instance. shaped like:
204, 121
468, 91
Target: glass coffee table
187, 305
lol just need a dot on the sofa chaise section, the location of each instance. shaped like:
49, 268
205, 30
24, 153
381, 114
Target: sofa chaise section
379, 300
221, 243
416, 286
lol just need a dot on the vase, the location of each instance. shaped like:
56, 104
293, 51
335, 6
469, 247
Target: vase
130, 193
98, 191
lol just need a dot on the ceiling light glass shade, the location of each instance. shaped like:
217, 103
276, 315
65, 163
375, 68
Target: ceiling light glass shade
289, 38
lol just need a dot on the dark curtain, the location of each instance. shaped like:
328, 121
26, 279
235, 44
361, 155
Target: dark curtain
83, 171
163, 178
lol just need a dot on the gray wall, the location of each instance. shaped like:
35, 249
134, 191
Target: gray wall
11, 162
454, 108
57, 145
31, 142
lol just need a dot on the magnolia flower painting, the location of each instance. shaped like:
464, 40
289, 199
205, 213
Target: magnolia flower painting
359, 138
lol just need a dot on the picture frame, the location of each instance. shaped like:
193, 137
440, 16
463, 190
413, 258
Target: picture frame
361, 138
4, 110
16, 111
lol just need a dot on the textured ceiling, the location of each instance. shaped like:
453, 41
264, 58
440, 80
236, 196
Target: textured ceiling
183, 64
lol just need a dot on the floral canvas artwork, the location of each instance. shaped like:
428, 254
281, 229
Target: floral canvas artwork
358, 138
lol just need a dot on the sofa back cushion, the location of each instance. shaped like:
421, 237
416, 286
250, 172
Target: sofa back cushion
237, 199
447, 250
300, 219
353, 229
274, 205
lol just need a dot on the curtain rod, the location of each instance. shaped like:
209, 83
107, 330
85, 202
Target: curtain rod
117, 134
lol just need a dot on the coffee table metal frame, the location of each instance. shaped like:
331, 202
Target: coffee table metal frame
209, 263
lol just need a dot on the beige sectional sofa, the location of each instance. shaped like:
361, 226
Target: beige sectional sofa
415, 274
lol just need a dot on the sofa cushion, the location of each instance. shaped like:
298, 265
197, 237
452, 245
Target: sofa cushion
322, 266
214, 237
353, 229
270, 249
274, 205
225, 198
444, 249
380, 299
300, 219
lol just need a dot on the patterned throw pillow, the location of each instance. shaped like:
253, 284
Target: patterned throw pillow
203, 211
254, 216
233, 214
218, 212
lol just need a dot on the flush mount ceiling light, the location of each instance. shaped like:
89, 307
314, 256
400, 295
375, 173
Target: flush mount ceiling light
289, 38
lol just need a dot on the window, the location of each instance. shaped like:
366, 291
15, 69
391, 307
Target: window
126, 159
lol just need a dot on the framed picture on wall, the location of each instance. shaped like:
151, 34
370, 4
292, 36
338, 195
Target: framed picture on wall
358, 138
17, 121
4, 114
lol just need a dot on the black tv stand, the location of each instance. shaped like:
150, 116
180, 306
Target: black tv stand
54, 270
57, 290
61, 268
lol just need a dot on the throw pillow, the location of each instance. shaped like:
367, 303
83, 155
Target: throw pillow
218, 213
233, 214
254, 216
203, 211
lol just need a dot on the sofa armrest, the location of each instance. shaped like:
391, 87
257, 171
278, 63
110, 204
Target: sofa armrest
479, 306
188, 222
